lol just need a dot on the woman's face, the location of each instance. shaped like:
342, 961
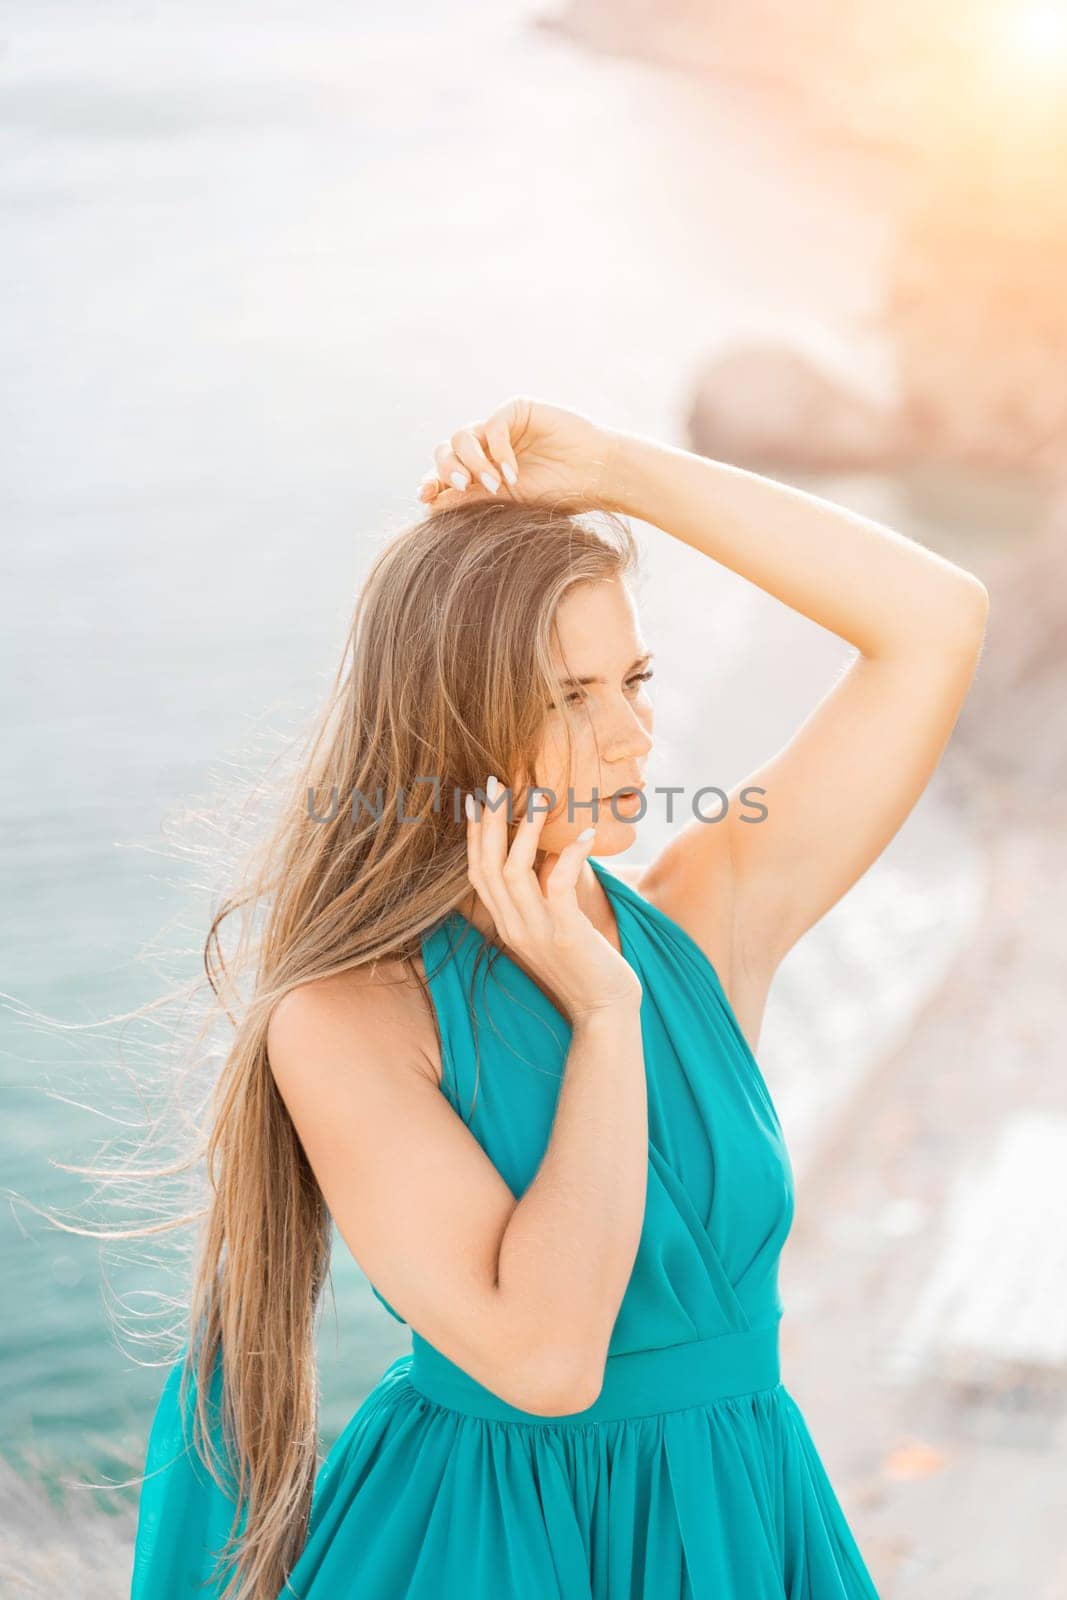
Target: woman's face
609, 716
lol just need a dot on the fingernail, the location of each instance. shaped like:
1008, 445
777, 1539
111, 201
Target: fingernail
490, 788
491, 481
509, 472
585, 835
459, 480
468, 805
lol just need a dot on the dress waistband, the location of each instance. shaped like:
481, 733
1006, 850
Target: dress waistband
637, 1383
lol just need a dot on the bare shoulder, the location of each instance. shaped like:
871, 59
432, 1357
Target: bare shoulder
381, 1002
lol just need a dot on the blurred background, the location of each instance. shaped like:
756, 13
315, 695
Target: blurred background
257, 260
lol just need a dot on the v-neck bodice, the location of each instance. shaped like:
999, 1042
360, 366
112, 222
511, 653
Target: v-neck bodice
720, 1185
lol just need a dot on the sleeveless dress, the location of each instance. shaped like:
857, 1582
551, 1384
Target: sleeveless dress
693, 1476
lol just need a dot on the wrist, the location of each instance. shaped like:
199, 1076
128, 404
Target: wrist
628, 471
617, 1016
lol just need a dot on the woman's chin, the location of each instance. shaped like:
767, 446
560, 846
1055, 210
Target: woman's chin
613, 834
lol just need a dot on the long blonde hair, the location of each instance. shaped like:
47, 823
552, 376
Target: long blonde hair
445, 675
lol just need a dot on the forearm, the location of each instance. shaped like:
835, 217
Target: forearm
569, 1248
883, 592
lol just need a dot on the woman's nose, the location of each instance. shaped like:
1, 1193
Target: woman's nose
630, 741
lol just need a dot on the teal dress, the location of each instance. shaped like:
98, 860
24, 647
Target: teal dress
693, 1476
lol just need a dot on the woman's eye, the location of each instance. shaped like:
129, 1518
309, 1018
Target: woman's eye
577, 695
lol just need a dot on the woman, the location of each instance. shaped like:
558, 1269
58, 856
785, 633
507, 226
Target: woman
522, 1083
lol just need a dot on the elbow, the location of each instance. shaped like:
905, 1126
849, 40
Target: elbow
961, 624
569, 1400
981, 599
975, 612
560, 1386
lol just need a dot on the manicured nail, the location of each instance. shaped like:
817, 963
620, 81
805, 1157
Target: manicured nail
468, 805
490, 788
459, 480
509, 472
491, 481
585, 835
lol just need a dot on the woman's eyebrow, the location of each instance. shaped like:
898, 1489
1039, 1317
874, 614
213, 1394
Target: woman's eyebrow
640, 662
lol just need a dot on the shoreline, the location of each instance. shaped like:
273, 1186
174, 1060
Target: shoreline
925, 1132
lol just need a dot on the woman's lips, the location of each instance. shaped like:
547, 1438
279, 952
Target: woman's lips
626, 799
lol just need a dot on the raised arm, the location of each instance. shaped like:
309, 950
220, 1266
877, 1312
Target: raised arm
839, 790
